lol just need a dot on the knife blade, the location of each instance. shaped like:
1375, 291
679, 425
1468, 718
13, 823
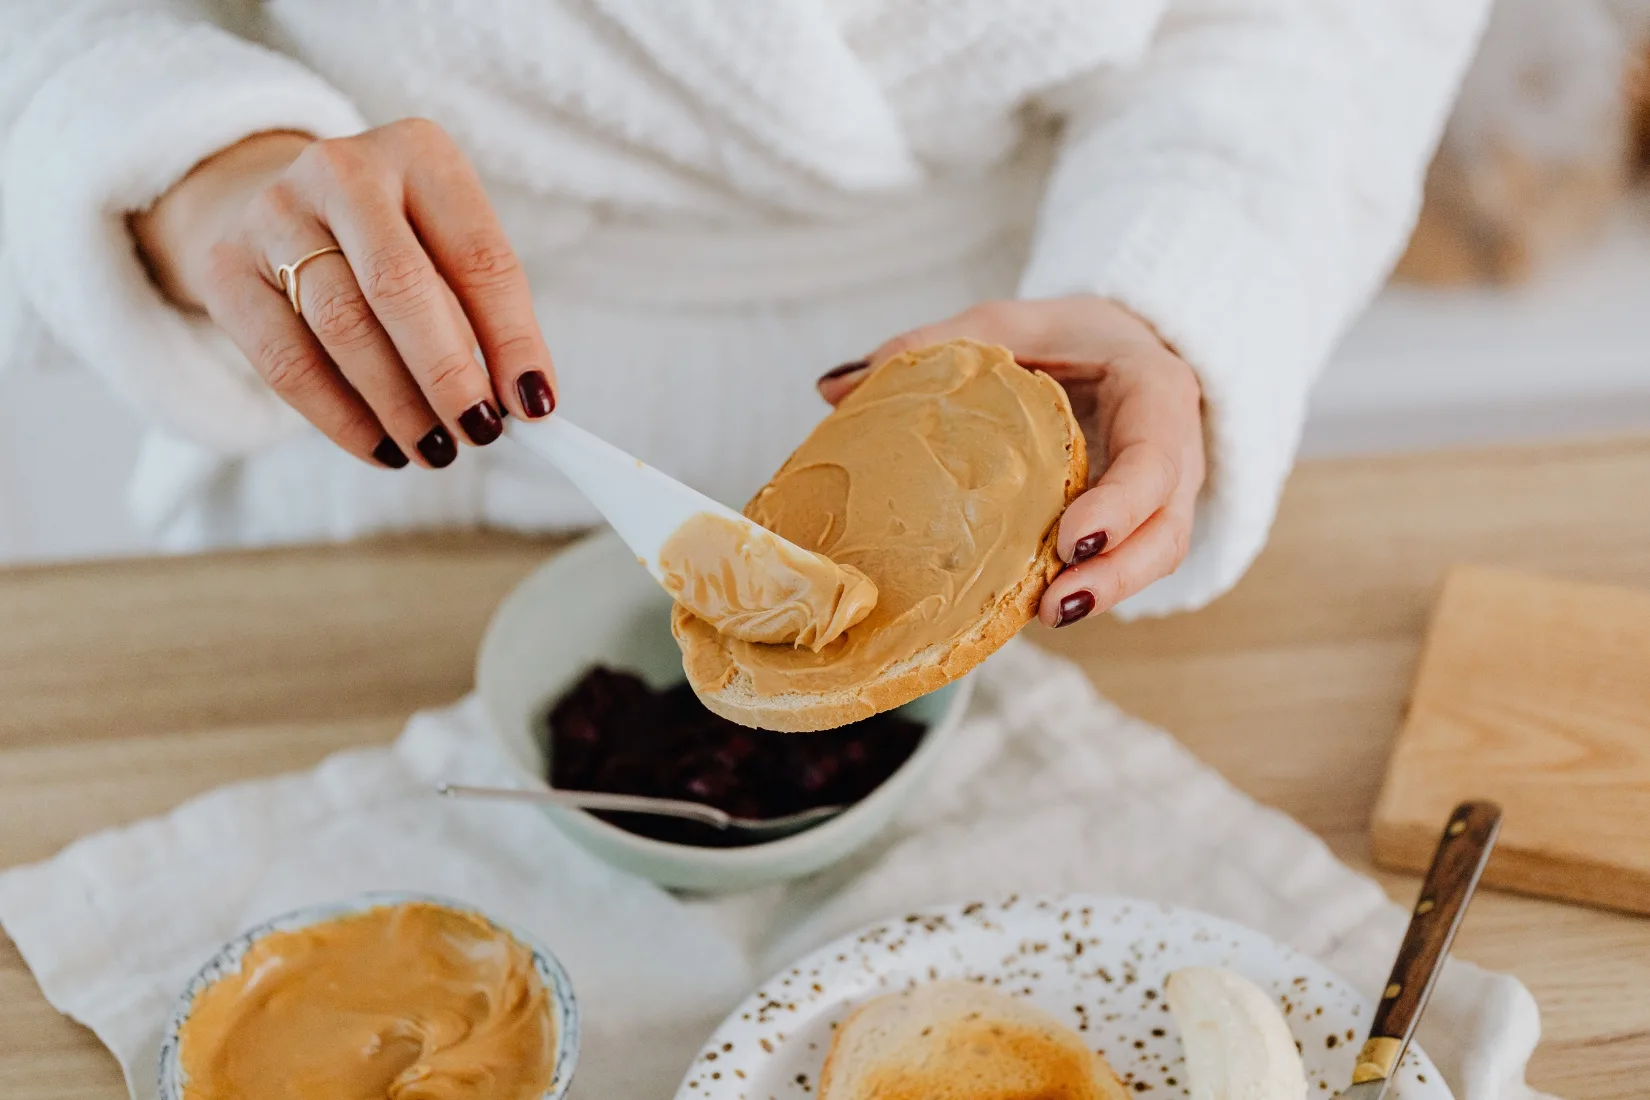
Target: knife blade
1457, 865
1369, 1090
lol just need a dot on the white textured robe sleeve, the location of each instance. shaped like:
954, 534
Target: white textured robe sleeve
1246, 190
103, 106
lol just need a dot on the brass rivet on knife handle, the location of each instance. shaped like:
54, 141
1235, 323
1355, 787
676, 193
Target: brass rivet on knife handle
1377, 1060
1462, 852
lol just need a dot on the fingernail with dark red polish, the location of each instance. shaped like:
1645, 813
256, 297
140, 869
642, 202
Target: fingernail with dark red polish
1075, 606
843, 371
388, 454
537, 398
438, 447
1087, 546
481, 423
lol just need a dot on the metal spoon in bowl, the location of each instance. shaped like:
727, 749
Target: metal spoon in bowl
772, 828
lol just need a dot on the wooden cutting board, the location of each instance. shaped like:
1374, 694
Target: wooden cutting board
1534, 693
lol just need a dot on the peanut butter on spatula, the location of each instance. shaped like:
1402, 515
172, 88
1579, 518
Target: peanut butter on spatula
749, 585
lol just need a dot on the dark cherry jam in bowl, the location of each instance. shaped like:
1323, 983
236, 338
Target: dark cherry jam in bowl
612, 732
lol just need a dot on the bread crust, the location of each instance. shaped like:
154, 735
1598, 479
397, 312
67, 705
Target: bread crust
931, 668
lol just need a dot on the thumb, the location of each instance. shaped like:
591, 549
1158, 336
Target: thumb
839, 382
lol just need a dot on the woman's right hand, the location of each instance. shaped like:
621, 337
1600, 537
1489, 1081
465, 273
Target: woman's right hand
383, 359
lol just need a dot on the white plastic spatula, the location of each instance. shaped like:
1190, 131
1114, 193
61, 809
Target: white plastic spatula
643, 505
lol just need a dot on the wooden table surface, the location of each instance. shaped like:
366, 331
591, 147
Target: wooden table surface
127, 687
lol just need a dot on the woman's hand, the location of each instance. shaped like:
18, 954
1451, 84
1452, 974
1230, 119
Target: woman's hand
383, 359
1141, 411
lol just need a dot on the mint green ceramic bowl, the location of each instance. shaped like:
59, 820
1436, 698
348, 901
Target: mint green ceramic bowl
593, 604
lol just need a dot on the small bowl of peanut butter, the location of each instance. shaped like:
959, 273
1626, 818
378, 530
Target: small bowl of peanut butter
378, 995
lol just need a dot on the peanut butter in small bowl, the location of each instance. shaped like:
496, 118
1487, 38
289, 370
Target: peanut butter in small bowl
387, 996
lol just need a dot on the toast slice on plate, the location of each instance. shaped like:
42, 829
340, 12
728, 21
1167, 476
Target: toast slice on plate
961, 1041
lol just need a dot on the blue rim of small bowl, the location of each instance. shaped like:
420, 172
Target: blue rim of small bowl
228, 961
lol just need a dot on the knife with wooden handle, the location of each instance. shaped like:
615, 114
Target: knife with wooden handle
1462, 852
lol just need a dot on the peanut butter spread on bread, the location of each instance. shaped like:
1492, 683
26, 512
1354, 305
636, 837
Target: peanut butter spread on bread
938, 479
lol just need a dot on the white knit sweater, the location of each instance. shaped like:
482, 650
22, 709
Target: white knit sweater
718, 199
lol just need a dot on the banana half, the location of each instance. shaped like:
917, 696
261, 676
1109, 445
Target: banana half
1238, 1046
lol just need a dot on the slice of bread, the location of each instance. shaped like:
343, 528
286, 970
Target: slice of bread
730, 691
961, 1041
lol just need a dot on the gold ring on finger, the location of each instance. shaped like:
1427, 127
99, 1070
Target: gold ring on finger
287, 275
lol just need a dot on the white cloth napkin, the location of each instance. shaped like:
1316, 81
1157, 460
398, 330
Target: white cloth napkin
1048, 789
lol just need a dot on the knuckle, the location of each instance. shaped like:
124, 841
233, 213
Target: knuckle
1104, 501
1168, 469
276, 205
352, 167
290, 367
1197, 469
1108, 588
450, 375
418, 131
513, 347
1022, 324
990, 315
1181, 382
486, 261
397, 278
336, 158
225, 261
357, 431
910, 341
341, 317
409, 411
1134, 500
1182, 544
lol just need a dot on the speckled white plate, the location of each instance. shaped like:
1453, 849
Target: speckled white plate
1097, 963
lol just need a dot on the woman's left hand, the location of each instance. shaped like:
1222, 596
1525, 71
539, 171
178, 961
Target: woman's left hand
1141, 410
